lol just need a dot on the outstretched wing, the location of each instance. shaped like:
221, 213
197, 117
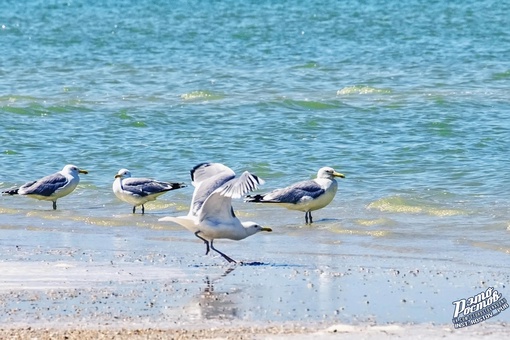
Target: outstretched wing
240, 186
218, 205
217, 208
205, 171
207, 177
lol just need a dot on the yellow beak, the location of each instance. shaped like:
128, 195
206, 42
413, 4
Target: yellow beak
83, 171
337, 174
266, 229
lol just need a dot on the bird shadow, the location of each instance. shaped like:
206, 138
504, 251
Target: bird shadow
327, 220
232, 267
323, 222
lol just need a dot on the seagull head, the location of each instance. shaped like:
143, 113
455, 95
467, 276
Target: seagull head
73, 170
253, 228
123, 173
329, 173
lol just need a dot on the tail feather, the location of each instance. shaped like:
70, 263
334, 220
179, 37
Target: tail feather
178, 185
11, 191
254, 198
185, 221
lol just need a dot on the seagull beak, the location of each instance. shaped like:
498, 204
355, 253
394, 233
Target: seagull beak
118, 176
266, 229
337, 174
83, 171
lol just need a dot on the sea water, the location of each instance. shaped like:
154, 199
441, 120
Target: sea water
409, 100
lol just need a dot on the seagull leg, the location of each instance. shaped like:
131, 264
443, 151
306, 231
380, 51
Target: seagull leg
224, 256
54, 205
134, 209
143, 209
205, 241
308, 217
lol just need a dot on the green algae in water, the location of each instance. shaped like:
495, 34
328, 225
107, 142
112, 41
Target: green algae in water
360, 89
201, 95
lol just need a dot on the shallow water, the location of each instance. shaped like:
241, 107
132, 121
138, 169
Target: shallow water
409, 102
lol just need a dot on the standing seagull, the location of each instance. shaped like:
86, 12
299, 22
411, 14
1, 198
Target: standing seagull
211, 215
304, 196
138, 191
52, 187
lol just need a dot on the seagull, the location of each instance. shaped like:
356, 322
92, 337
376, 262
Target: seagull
138, 191
211, 215
52, 187
304, 196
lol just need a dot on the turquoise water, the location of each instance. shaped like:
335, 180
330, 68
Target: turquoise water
411, 102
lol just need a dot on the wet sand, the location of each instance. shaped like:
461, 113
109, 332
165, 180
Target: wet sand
270, 332
149, 281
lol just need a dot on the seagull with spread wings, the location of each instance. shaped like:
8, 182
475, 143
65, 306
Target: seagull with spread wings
211, 215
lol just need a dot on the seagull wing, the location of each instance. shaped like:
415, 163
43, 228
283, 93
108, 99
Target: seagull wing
217, 208
205, 188
240, 186
205, 171
45, 186
295, 193
147, 186
218, 205
207, 177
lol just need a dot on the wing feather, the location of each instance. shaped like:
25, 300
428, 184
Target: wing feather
46, 186
238, 187
147, 186
218, 205
205, 188
205, 171
294, 193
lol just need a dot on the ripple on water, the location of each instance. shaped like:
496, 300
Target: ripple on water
362, 89
202, 95
405, 205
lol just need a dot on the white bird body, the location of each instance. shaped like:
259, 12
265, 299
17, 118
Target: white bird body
211, 229
304, 196
138, 191
51, 187
211, 215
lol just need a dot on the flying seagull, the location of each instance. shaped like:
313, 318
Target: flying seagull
211, 215
304, 196
52, 187
138, 191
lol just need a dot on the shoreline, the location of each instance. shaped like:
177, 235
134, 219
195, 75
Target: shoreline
259, 331
76, 280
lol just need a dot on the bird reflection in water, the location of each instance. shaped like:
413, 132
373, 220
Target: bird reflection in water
214, 304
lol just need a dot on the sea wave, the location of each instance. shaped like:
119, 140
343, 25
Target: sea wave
361, 89
311, 104
399, 204
201, 95
373, 233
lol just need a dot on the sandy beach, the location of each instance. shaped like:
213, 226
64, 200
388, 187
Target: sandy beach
268, 332
156, 283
